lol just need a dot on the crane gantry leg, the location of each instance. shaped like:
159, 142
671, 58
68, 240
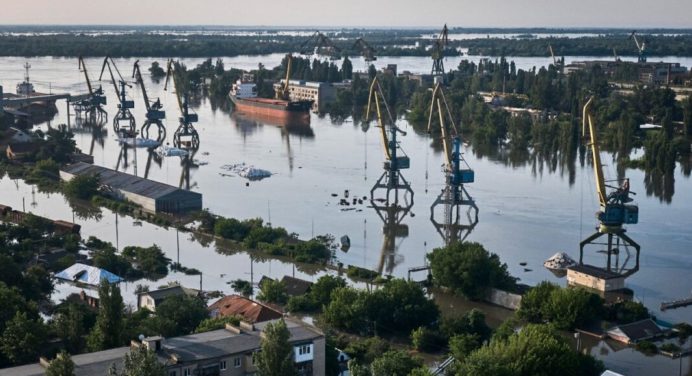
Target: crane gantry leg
616, 241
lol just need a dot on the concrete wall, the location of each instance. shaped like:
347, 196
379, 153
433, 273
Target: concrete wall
575, 278
319, 362
504, 299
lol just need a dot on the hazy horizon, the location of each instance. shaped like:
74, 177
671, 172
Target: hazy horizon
356, 13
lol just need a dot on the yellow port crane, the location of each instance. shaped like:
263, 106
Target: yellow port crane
391, 179
185, 136
91, 106
283, 92
615, 208
438, 52
457, 172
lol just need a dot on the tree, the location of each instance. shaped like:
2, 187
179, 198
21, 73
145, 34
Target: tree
532, 303
273, 292
82, 186
180, 314
156, 71
469, 269
321, 291
395, 363
107, 332
462, 345
23, 338
70, 327
564, 307
276, 354
62, 365
346, 69
242, 287
142, 362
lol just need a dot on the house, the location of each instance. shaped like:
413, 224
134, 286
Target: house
247, 309
635, 332
150, 299
87, 274
17, 151
295, 286
595, 278
224, 352
84, 298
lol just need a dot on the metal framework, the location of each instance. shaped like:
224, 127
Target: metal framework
89, 111
124, 121
615, 208
391, 179
454, 198
438, 52
155, 114
641, 47
185, 136
365, 49
320, 44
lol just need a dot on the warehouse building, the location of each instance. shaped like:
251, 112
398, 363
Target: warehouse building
151, 195
320, 93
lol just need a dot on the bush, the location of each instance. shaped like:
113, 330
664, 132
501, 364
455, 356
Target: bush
215, 323
82, 187
670, 348
647, 347
567, 308
626, 312
428, 340
273, 291
356, 272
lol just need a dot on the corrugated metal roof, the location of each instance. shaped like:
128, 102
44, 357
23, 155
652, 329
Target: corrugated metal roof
126, 182
249, 310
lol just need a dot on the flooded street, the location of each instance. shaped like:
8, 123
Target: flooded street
527, 212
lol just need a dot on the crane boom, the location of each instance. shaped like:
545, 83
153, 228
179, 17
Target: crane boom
366, 50
283, 92
374, 87
552, 54
596, 153
137, 75
169, 73
82, 67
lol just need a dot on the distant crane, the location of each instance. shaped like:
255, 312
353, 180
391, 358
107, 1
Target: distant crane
186, 136
615, 55
391, 179
320, 44
124, 121
283, 91
438, 53
615, 208
365, 49
91, 106
641, 47
155, 114
457, 173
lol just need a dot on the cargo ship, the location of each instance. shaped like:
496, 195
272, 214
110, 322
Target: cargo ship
244, 96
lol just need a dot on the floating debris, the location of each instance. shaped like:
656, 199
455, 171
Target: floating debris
559, 261
247, 171
139, 142
345, 243
167, 151
523, 263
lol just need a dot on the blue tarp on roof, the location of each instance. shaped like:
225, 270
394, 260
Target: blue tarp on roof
90, 275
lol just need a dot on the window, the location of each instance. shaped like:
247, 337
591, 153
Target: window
173, 373
222, 365
236, 362
186, 372
304, 349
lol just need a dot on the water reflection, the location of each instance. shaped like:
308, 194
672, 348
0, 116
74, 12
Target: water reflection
392, 215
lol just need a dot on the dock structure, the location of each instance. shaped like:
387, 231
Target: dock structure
151, 195
676, 304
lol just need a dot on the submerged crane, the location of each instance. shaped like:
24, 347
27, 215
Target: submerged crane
454, 196
391, 179
92, 105
615, 208
185, 136
124, 121
438, 52
320, 44
365, 49
641, 47
154, 114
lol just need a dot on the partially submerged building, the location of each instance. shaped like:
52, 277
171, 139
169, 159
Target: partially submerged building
246, 309
595, 278
150, 299
635, 332
151, 195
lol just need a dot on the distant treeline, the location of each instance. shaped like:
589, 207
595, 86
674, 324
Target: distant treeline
173, 43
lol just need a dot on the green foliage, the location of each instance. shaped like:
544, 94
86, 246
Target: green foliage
647, 347
365, 350
150, 260
273, 292
214, 323
356, 272
473, 322
156, 71
566, 308
62, 365
107, 333
82, 186
468, 269
395, 363
684, 330
461, 345
426, 339
142, 362
537, 350
276, 355
318, 297
397, 308
670, 348
179, 315
72, 322
22, 338
626, 312
242, 287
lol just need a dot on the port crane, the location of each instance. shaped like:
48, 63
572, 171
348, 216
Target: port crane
155, 114
454, 197
283, 91
615, 210
641, 47
320, 44
186, 136
366, 50
391, 179
92, 105
438, 52
556, 62
124, 121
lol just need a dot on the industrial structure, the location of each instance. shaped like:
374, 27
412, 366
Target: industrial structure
321, 94
91, 107
185, 136
365, 49
320, 44
123, 122
438, 53
641, 47
615, 211
151, 195
454, 198
155, 114
391, 179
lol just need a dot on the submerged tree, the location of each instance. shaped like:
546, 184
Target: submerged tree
276, 355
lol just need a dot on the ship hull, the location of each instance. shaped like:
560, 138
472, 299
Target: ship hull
276, 109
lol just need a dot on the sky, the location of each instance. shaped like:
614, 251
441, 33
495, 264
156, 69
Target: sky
357, 13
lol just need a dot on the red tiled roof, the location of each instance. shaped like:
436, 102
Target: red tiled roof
250, 310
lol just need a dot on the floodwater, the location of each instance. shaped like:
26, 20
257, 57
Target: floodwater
528, 211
